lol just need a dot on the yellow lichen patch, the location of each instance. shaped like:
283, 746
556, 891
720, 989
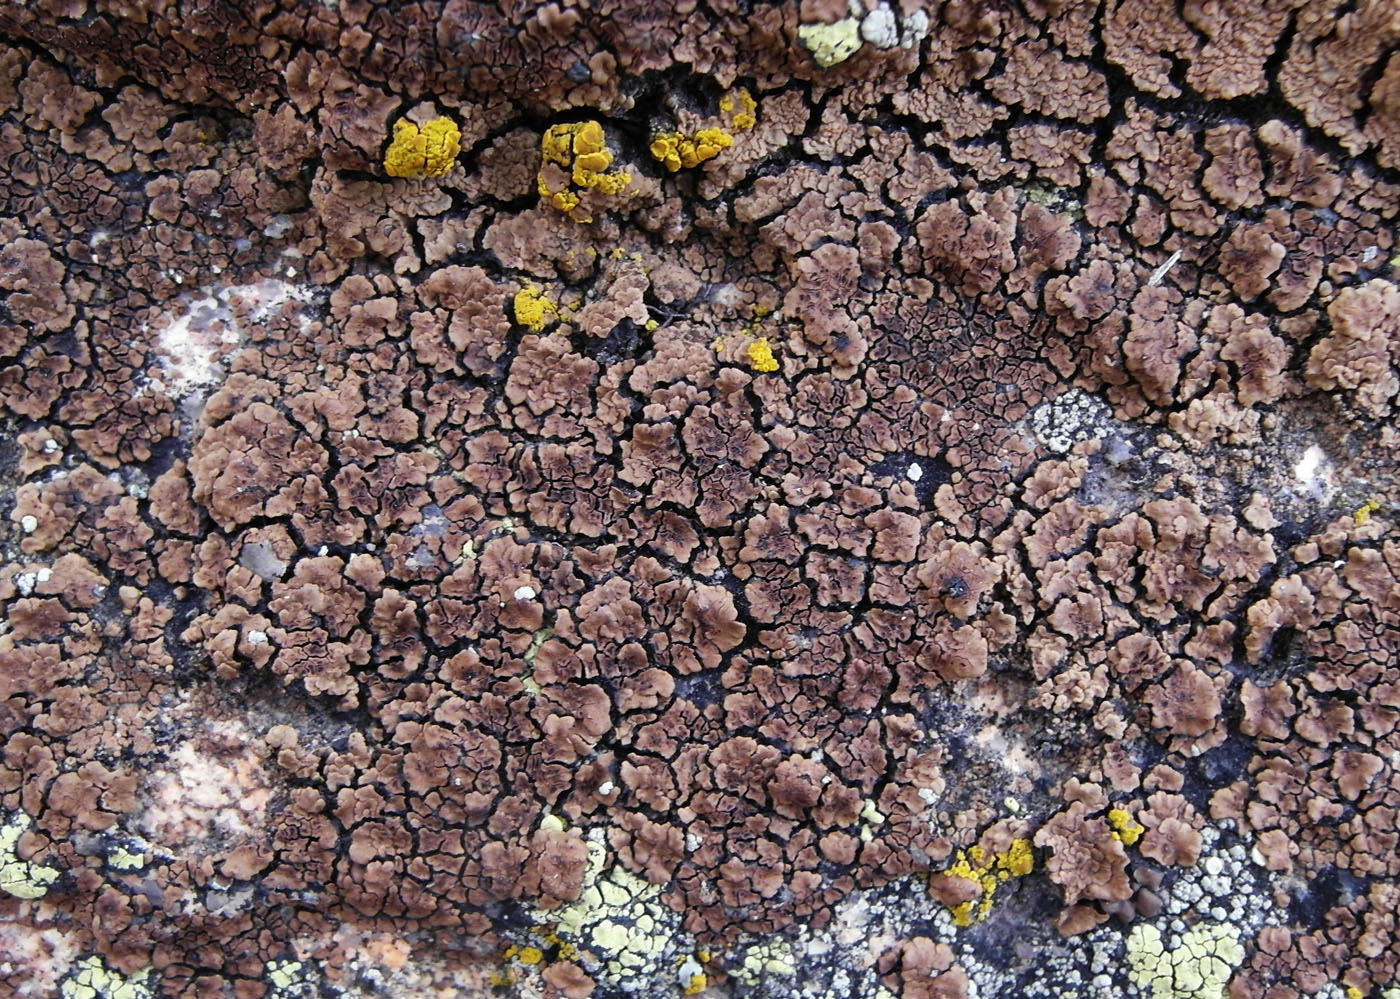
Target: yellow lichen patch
761, 355
747, 114
684, 150
988, 871
691, 974
576, 159
428, 151
1197, 965
21, 878
1125, 830
1364, 511
91, 979
533, 310
675, 151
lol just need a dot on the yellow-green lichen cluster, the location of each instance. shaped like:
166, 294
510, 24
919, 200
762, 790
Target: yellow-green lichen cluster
91, 979
575, 160
1196, 965
428, 151
768, 958
988, 871
831, 44
619, 927
21, 878
290, 979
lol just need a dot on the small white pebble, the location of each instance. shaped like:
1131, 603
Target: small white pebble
29, 523
257, 638
43, 575
525, 593
607, 787
914, 473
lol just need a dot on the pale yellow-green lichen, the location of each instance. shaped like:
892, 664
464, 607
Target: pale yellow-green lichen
1364, 511
282, 974
288, 978
1198, 965
91, 979
618, 920
772, 957
125, 860
428, 151
21, 878
831, 44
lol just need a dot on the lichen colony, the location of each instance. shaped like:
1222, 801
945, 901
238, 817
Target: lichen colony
614, 498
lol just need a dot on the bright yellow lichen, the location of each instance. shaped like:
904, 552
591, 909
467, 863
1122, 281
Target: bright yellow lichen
746, 117
429, 151
761, 355
577, 159
1125, 830
675, 151
682, 151
533, 310
988, 872
1364, 511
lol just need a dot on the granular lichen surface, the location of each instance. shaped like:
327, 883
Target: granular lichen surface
735, 499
